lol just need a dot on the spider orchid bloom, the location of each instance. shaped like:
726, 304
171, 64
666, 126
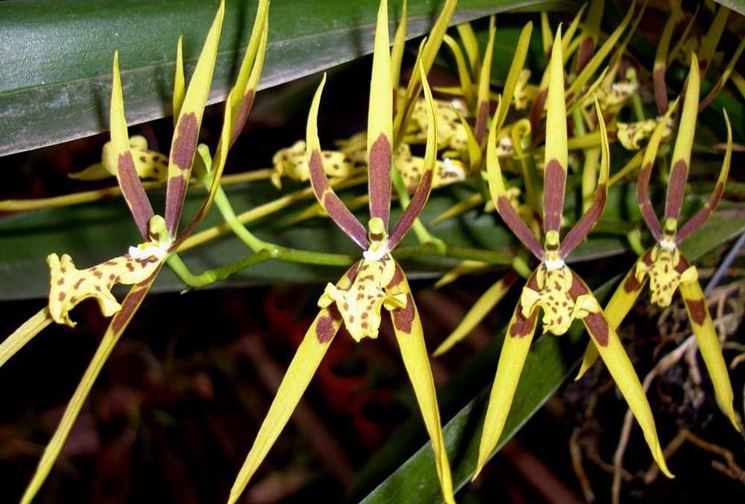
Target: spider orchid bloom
140, 266
553, 287
664, 264
373, 284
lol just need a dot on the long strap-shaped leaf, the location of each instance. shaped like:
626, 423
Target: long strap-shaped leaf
116, 327
317, 340
511, 360
703, 215
614, 356
681, 159
423, 190
185, 137
642, 184
120, 156
410, 337
325, 195
379, 123
556, 158
499, 195
591, 217
708, 344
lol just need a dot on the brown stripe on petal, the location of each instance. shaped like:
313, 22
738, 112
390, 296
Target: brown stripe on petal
481, 117
398, 277
379, 178
702, 215
522, 326
513, 221
129, 305
133, 192
553, 196
404, 317
660, 88
645, 204
584, 53
578, 287
243, 112
682, 265
631, 284
345, 219
598, 327
174, 202
697, 310
318, 179
582, 228
537, 111
675, 189
185, 142
412, 211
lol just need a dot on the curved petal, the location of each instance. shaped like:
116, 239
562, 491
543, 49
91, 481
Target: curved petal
24, 334
320, 182
119, 155
478, 311
511, 361
408, 329
708, 345
703, 215
118, 324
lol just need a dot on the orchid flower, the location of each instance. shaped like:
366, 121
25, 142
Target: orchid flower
374, 284
141, 264
664, 265
553, 287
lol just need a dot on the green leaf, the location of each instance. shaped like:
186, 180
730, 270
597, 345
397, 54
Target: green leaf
55, 75
393, 475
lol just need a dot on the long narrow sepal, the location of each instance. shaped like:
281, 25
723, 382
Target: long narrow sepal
511, 361
516, 67
471, 45
556, 155
590, 33
119, 155
614, 356
244, 89
397, 51
24, 334
185, 137
710, 40
618, 307
179, 81
703, 215
308, 357
482, 99
320, 182
116, 327
660, 64
500, 198
478, 311
379, 123
464, 77
642, 184
421, 195
410, 337
725, 75
708, 345
681, 160
591, 217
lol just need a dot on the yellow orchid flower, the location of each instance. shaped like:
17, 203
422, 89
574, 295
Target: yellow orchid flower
664, 265
553, 287
375, 283
140, 266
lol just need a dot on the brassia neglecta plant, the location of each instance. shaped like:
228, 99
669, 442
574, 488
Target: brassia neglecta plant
553, 287
664, 265
140, 266
374, 283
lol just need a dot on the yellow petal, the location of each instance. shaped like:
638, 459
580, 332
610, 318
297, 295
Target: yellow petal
24, 334
708, 345
710, 41
397, 51
478, 311
482, 97
408, 329
468, 38
116, 327
511, 361
466, 86
518, 61
296, 380
179, 82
